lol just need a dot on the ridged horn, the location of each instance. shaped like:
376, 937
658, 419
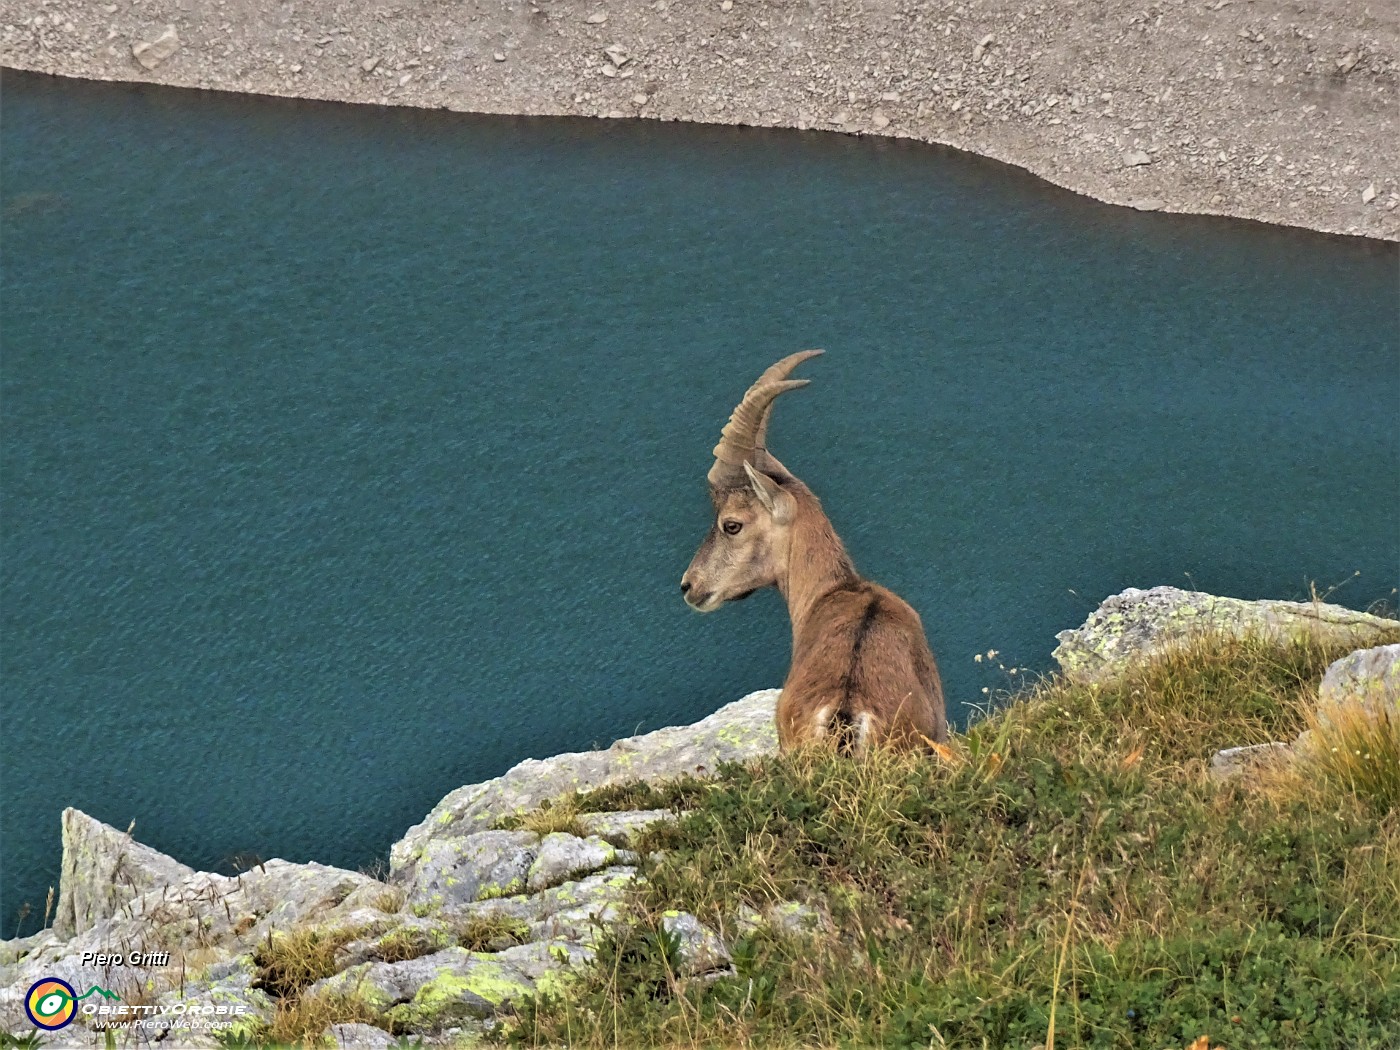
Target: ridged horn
743, 436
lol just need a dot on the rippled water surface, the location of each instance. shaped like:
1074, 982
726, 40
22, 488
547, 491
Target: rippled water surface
351, 454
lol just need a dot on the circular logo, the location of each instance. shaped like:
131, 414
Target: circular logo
51, 1003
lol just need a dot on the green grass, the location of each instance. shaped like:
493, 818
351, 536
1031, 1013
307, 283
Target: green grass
1067, 875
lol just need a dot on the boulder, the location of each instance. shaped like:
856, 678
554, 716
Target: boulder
702, 952
1368, 677
736, 732
623, 828
433, 992
562, 857
1236, 761
574, 912
454, 871
1135, 625
104, 868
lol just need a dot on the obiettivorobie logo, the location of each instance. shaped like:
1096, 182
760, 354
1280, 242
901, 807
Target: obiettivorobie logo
52, 1003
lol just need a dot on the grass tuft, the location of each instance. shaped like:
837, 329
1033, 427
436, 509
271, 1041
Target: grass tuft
492, 933
1354, 750
290, 962
557, 815
302, 1022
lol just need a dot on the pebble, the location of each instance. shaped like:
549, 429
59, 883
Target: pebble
368, 64
879, 120
499, 57
1135, 159
596, 19
981, 48
1368, 194
640, 98
727, 6
151, 53
616, 55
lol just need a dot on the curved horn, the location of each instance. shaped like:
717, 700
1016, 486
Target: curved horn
746, 430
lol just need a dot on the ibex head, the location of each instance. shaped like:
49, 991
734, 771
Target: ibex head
747, 545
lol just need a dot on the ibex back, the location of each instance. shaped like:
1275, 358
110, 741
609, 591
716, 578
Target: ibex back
862, 672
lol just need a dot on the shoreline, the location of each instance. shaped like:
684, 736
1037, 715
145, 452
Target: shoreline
1236, 109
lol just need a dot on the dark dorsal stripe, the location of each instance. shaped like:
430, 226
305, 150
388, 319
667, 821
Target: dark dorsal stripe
848, 680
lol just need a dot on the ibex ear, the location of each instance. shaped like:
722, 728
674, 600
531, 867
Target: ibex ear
778, 503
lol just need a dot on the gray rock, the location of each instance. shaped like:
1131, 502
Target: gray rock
104, 868
1138, 624
359, 1037
562, 857
1236, 761
1135, 159
575, 912
227, 986
455, 871
433, 992
539, 959
13, 952
736, 732
623, 828
200, 918
702, 953
1369, 677
151, 53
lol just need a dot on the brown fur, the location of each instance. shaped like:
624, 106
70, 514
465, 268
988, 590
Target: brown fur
862, 672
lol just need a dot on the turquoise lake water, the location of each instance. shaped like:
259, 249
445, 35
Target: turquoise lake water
350, 454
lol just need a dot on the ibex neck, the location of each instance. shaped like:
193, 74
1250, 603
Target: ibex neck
817, 562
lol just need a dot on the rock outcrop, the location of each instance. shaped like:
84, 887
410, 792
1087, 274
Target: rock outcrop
104, 869
1136, 624
736, 732
472, 918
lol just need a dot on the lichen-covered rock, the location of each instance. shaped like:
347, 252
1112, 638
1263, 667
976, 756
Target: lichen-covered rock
228, 986
702, 953
576, 911
545, 962
736, 732
103, 868
433, 992
562, 857
1137, 624
1368, 677
454, 871
624, 827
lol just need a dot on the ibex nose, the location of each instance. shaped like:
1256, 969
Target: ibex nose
685, 587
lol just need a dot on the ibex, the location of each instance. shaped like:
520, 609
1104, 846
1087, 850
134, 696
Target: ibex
862, 672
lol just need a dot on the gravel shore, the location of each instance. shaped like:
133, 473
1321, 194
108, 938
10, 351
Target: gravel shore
1279, 111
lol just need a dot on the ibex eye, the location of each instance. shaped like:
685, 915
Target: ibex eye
731, 528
